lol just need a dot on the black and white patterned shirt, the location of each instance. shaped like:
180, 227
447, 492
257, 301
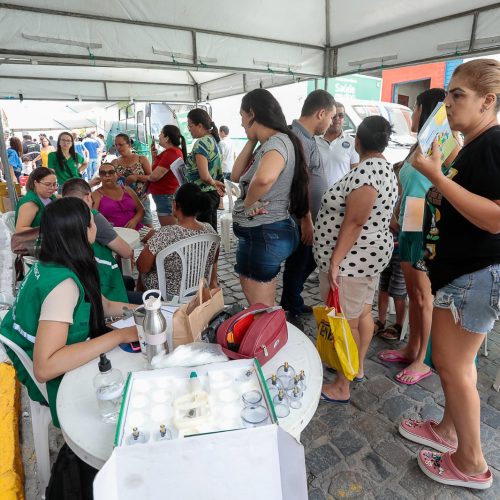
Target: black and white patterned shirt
372, 251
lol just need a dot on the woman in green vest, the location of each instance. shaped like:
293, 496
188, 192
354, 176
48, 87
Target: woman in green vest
59, 304
66, 162
41, 188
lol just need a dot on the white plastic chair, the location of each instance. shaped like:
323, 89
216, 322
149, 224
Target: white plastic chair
9, 218
193, 252
226, 220
40, 418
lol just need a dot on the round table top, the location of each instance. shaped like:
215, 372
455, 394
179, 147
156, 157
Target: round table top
130, 236
92, 440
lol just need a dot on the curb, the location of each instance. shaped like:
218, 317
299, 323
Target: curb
11, 465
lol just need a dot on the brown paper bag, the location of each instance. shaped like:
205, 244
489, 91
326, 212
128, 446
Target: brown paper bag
192, 318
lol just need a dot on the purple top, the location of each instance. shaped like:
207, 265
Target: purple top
118, 212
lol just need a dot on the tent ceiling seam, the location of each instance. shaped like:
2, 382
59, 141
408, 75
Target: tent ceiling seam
42, 10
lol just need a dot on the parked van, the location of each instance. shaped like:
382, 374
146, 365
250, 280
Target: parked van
398, 116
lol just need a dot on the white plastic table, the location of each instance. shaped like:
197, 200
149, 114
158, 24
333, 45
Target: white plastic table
92, 440
133, 238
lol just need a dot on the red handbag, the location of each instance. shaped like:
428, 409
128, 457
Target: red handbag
257, 332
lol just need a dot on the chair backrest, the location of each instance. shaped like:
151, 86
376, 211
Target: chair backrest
9, 218
27, 363
193, 252
231, 188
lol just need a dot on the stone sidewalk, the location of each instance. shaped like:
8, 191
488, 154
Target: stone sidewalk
355, 451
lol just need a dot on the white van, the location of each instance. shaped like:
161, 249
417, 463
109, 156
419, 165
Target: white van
398, 116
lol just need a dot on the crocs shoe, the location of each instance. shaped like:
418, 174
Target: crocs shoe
421, 432
440, 468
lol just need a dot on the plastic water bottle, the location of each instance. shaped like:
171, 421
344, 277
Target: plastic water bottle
108, 385
154, 326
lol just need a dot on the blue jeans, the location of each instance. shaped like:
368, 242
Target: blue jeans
473, 299
298, 267
91, 169
262, 249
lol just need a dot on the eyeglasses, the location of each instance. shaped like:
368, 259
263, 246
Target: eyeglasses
105, 173
339, 115
54, 185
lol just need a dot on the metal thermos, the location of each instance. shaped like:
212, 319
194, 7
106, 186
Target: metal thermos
154, 325
139, 315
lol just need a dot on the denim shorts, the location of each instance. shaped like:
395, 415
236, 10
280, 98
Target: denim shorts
163, 203
148, 216
262, 249
474, 299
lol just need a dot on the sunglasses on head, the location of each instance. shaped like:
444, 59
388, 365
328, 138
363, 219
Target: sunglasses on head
104, 173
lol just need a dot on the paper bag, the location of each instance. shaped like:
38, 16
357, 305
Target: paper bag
192, 318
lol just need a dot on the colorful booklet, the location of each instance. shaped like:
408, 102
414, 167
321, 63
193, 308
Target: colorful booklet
437, 127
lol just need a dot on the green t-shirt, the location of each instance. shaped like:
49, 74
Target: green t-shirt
206, 146
69, 170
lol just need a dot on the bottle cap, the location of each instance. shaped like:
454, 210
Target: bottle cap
104, 363
153, 303
193, 375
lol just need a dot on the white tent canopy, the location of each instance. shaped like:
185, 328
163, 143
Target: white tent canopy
193, 50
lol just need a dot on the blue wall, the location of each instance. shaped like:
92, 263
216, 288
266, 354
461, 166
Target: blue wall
449, 69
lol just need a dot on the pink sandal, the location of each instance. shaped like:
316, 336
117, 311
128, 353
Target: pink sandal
422, 432
415, 376
440, 468
393, 356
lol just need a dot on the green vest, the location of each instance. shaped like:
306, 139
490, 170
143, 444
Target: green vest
34, 198
110, 276
21, 323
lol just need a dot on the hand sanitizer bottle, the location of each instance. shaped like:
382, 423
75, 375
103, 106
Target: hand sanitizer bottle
108, 385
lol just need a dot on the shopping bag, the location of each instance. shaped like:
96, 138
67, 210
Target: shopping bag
335, 343
192, 318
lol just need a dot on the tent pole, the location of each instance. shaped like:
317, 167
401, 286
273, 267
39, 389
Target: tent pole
6, 169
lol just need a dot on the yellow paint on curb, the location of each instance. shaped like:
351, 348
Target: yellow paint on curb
11, 465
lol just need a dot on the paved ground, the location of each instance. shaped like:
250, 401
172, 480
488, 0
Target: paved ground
355, 451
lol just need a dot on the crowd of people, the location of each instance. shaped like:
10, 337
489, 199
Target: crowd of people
311, 197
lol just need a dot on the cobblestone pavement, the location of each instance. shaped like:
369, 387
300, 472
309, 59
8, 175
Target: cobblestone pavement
355, 451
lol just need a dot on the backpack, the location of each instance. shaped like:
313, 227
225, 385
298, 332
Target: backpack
71, 478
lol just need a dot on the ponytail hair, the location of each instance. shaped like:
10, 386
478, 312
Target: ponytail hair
200, 116
191, 200
176, 138
267, 111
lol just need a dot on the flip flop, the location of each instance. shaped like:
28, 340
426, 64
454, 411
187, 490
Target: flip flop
378, 327
416, 376
324, 397
393, 356
391, 333
359, 379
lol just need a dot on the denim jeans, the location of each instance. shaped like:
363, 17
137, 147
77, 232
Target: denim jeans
91, 169
298, 267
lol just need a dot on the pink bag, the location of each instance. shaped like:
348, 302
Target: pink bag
257, 332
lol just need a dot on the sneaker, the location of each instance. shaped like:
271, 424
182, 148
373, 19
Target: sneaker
305, 309
421, 432
295, 321
440, 468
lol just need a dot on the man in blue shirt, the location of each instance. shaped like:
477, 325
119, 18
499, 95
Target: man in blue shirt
93, 148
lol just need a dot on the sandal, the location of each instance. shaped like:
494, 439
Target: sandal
392, 332
378, 327
440, 468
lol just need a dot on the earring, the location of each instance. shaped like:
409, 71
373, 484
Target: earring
482, 110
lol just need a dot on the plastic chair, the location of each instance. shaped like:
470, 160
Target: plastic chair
40, 418
9, 218
226, 220
193, 252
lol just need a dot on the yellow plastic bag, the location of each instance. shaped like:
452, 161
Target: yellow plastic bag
334, 341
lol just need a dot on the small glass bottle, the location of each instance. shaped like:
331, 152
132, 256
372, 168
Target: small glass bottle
108, 384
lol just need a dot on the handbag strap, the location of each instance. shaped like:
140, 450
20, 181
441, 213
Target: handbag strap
254, 312
333, 300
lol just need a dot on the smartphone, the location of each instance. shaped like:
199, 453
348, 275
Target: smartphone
131, 346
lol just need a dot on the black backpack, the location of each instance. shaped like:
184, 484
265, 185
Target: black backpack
71, 478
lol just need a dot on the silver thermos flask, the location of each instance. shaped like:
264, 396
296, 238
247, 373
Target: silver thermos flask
154, 325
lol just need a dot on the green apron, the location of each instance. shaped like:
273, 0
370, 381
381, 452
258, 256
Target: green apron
21, 324
110, 275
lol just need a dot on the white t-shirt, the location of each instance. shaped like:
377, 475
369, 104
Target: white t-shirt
337, 156
227, 153
372, 252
